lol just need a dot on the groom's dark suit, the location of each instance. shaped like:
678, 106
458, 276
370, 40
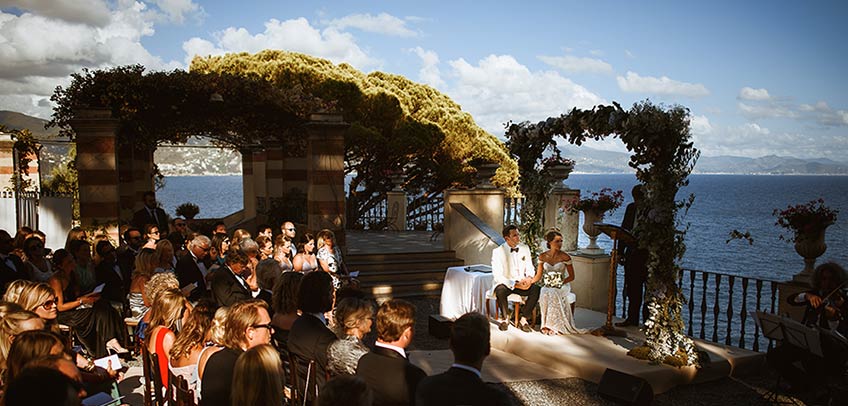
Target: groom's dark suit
458, 386
391, 377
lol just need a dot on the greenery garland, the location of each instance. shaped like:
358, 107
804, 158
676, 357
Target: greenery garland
663, 156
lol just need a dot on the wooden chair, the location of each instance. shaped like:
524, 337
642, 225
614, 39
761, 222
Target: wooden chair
517, 301
304, 390
154, 391
180, 394
131, 337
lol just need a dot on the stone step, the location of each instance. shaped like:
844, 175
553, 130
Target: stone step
404, 264
416, 288
431, 255
401, 275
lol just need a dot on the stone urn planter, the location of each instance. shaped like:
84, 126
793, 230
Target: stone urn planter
559, 173
485, 172
397, 178
590, 217
810, 246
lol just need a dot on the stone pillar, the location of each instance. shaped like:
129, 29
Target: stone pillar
294, 185
7, 162
557, 217
98, 171
273, 173
325, 196
396, 202
259, 185
471, 244
247, 183
591, 281
135, 176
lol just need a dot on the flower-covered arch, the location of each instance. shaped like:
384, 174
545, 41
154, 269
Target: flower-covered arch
663, 156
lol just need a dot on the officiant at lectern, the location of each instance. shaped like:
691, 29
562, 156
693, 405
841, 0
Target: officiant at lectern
635, 265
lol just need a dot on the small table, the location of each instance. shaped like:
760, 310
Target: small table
464, 292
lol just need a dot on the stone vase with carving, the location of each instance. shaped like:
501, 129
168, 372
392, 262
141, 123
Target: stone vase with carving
558, 174
809, 245
590, 217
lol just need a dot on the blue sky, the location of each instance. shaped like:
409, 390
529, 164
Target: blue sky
760, 77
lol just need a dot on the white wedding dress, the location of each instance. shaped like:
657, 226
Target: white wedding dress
555, 302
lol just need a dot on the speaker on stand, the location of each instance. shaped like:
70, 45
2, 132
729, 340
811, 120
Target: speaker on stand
625, 389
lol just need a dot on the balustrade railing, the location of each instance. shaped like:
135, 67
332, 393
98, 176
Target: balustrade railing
425, 213
718, 307
512, 210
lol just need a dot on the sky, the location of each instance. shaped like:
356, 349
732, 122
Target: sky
759, 77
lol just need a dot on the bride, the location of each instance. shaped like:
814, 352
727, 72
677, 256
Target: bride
556, 300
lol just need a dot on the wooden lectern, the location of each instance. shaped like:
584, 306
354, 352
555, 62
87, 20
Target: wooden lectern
616, 234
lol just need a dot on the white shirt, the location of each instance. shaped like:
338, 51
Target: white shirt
394, 348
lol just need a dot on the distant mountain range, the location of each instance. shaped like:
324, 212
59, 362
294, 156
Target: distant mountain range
199, 159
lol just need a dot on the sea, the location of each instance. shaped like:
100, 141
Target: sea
722, 203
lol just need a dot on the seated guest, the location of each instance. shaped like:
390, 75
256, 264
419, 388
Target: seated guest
219, 228
84, 268
236, 282
28, 346
238, 236
190, 343
145, 263
310, 337
284, 304
165, 258
65, 366
12, 324
329, 256
191, 270
386, 369
305, 260
221, 244
258, 377
75, 233
129, 249
37, 267
353, 321
11, 265
248, 325
169, 311
215, 344
826, 307
152, 233
43, 386
283, 252
178, 237
18, 242
13, 290
513, 272
108, 272
461, 384
157, 284
268, 269
345, 390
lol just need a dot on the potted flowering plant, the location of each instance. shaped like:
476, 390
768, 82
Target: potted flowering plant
556, 160
808, 223
594, 207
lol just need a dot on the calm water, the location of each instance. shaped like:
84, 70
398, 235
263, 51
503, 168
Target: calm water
722, 203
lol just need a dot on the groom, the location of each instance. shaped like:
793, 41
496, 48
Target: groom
513, 272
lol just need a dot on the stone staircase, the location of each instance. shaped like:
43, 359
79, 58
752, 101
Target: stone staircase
402, 275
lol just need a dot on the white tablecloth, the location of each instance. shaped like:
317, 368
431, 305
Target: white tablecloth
464, 292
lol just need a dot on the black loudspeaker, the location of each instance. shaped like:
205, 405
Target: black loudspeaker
624, 388
439, 326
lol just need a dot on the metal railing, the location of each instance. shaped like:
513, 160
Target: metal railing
512, 210
425, 213
718, 307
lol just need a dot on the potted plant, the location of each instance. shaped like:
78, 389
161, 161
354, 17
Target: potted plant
594, 207
808, 223
188, 210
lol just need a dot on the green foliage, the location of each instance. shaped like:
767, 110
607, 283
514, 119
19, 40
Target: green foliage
663, 156
187, 210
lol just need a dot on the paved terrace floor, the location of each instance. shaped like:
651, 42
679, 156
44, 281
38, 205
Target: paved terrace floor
393, 242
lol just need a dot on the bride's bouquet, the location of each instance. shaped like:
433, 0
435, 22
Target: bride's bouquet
552, 279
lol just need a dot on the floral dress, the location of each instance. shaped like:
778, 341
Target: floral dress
556, 298
333, 261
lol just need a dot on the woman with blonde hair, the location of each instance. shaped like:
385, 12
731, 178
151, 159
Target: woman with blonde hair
167, 316
165, 259
190, 343
238, 236
13, 291
216, 338
145, 264
354, 318
76, 233
258, 377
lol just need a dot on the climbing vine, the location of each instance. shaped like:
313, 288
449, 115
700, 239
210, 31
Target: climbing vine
663, 156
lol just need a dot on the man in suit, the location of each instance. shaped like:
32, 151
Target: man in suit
151, 213
179, 236
461, 384
513, 272
108, 272
129, 249
191, 269
236, 282
386, 369
11, 266
635, 265
248, 325
309, 336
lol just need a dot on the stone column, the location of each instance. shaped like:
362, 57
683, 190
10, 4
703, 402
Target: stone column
273, 174
98, 172
135, 176
247, 183
325, 197
471, 244
259, 184
591, 281
557, 217
396, 202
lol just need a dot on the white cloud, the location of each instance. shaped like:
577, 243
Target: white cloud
499, 88
429, 72
177, 10
747, 93
823, 114
574, 64
633, 83
382, 23
700, 125
770, 110
91, 12
296, 35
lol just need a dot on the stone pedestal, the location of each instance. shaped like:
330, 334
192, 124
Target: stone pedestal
471, 244
325, 196
396, 215
557, 217
98, 171
591, 281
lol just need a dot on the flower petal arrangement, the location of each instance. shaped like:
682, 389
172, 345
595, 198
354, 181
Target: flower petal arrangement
556, 160
601, 201
811, 217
